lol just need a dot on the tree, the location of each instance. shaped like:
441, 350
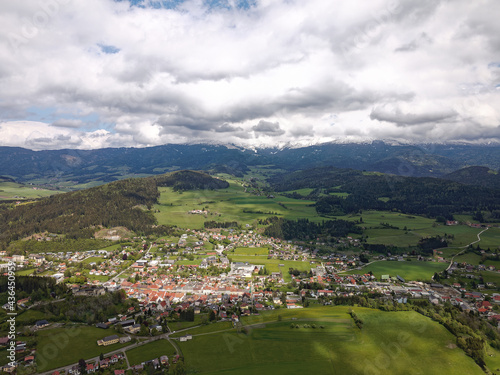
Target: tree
211, 315
82, 364
144, 331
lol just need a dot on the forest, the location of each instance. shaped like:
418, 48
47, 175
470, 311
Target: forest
78, 215
190, 180
427, 196
305, 229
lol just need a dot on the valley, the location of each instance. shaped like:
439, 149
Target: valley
187, 267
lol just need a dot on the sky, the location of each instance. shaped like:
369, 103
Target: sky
103, 73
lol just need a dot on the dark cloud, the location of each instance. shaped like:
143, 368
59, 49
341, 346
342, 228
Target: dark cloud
60, 141
228, 128
180, 121
396, 116
271, 129
67, 123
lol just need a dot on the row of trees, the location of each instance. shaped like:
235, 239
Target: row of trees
305, 229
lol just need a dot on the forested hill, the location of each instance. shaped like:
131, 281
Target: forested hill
190, 180
6, 179
80, 214
481, 176
424, 196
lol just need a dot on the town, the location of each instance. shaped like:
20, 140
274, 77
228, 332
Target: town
222, 275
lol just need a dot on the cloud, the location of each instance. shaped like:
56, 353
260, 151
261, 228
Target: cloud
271, 129
228, 128
398, 117
415, 44
68, 123
111, 73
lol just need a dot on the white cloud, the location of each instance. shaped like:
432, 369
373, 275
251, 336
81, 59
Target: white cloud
321, 70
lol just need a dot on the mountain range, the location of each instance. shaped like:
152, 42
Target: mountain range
109, 164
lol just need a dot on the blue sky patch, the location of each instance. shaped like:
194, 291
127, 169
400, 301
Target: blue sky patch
108, 49
172, 4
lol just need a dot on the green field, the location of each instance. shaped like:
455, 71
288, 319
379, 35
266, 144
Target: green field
251, 251
490, 239
413, 270
417, 227
204, 329
176, 326
470, 258
226, 205
63, 346
92, 259
392, 237
389, 343
150, 351
31, 316
25, 272
12, 190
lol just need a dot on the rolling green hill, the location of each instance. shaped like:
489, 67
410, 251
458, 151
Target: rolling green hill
125, 203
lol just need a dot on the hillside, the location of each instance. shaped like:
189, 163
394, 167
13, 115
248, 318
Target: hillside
190, 180
481, 176
413, 195
6, 179
124, 203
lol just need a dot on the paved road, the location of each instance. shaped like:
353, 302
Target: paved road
115, 278
464, 248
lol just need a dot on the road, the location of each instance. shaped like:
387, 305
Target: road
464, 248
115, 278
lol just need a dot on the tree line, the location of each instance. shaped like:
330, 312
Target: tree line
305, 229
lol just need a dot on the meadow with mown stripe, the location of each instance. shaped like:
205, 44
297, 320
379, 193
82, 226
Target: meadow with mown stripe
388, 343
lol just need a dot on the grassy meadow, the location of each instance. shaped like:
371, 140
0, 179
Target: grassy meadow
231, 204
389, 343
414, 270
150, 351
407, 230
63, 346
13, 190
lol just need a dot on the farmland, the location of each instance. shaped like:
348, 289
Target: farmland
13, 190
150, 351
389, 343
413, 270
231, 204
64, 346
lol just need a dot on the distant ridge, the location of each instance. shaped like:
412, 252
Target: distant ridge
475, 175
105, 165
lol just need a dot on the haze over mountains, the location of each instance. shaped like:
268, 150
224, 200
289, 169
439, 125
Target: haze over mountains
104, 165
